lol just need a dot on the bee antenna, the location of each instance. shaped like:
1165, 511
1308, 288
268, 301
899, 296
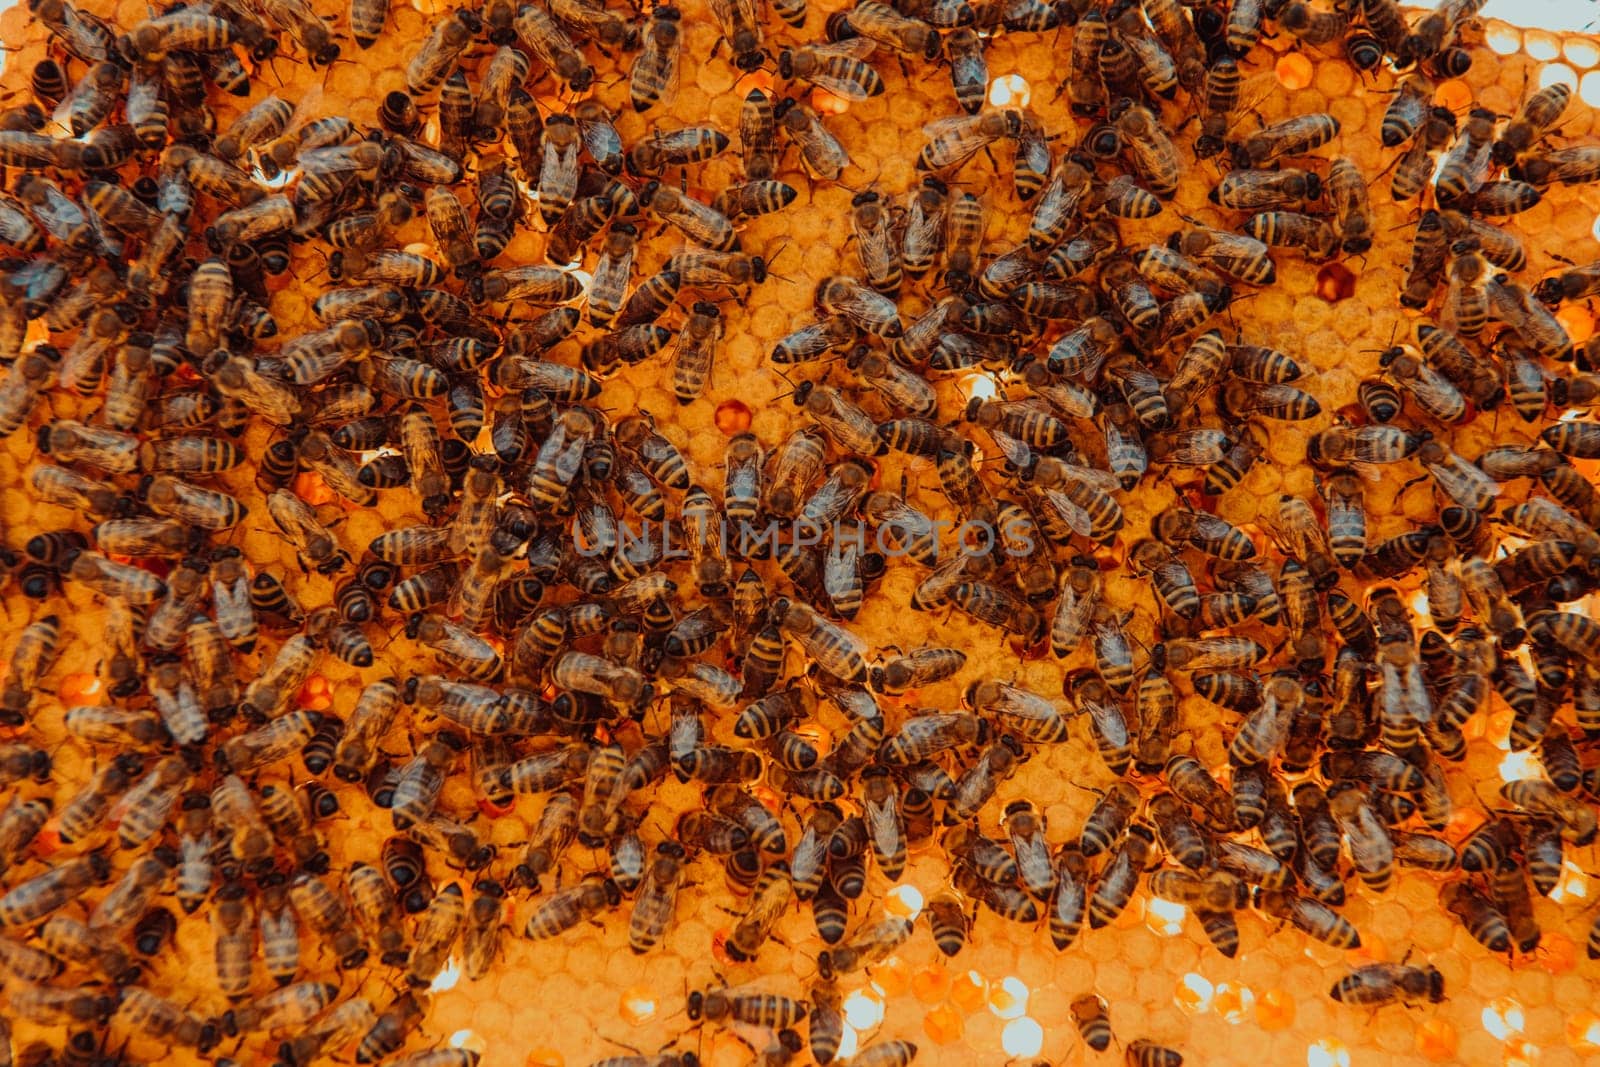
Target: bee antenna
765, 55
793, 388
770, 260
331, 65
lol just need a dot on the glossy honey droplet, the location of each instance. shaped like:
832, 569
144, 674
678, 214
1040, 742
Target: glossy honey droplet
931, 984
1233, 1002
1194, 994
944, 1024
638, 1005
1583, 1031
1294, 71
1275, 1010
970, 992
733, 417
1437, 1040
81, 689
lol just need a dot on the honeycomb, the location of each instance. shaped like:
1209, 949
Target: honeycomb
1006, 997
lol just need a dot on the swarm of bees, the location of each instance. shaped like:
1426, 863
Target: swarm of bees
1046, 386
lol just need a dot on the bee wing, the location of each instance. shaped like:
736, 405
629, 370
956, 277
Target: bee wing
875, 244
1109, 722
1434, 391
841, 87
434, 162
1016, 452
767, 906
1298, 535
1464, 483
1538, 324
1240, 245
852, 48
1021, 704
1075, 517
1200, 449
961, 127
1031, 403
723, 12
841, 568
845, 637
610, 276
883, 821
923, 231
864, 304
1072, 617
1092, 477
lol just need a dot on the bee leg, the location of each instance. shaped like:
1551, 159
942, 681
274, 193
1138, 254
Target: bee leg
1414, 481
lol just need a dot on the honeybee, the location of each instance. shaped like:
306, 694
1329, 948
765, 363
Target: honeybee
1575, 819
653, 908
20, 822
1370, 845
888, 27
40, 896
345, 1022
837, 67
755, 1009
1291, 137
1258, 190
1466, 164
1288, 229
436, 58
822, 152
378, 910
1478, 915
1090, 1016
768, 900
1121, 875
1417, 165
868, 945
863, 307
1461, 481
695, 220
1310, 916
954, 140
390, 1029
1236, 255
1153, 154
550, 44
1217, 891
1069, 901
1144, 1053
81, 816
948, 921
1377, 984
24, 380
695, 352
437, 930
1362, 444
1576, 165
655, 69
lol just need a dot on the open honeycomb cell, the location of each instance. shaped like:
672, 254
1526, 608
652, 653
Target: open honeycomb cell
1008, 995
